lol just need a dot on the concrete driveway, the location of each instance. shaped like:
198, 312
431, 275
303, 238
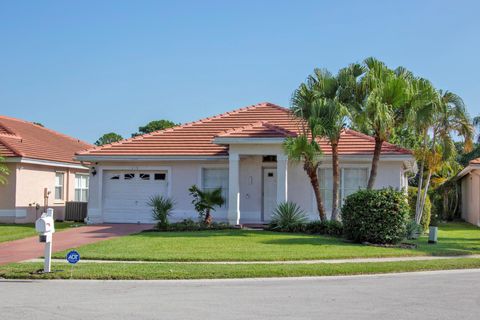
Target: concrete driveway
423, 295
29, 248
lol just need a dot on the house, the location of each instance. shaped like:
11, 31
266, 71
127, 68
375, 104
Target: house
42, 171
239, 151
470, 185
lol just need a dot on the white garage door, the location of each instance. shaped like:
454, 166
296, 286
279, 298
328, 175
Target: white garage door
126, 194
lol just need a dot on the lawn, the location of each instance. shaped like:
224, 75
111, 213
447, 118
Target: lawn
144, 271
9, 232
247, 245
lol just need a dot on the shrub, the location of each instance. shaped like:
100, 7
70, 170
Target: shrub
161, 209
376, 216
330, 227
288, 217
190, 225
427, 210
413, 230
206, 201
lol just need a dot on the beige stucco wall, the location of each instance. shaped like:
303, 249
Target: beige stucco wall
470, 206
25, 189
183, 174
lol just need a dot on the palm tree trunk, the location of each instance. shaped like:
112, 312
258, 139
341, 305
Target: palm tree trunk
418, 217
336, 180
420, 172
312, 174
375, 160
208, 217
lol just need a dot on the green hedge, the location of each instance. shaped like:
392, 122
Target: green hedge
376, 216
427, 210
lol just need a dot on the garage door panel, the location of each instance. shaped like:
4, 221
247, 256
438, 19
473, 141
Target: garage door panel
126, 194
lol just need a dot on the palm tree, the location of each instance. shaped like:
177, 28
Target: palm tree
476, 124
450, 118
3, 171
384, 97
205, 201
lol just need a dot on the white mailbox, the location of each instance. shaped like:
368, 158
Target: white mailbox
45, 227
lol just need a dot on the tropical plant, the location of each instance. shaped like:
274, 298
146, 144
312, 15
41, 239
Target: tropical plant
108, 138
154, 125
476, 124
383, 98
289, 217
412, 202
161, 209
3, 171
206, 201
444, 117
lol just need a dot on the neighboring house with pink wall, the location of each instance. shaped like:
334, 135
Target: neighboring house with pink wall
42, 171
239, 151
470, 184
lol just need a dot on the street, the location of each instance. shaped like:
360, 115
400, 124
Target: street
423, 295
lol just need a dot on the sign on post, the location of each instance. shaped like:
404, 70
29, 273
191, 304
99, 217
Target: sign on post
73, 257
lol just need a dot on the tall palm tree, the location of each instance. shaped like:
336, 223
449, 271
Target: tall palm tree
384, 96
304, 148
3, 171
450, 119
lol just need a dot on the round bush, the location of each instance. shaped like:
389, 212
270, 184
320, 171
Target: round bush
427, 209
376, 216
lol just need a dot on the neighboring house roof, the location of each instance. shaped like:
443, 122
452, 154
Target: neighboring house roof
264, 120
472, 165
20, 138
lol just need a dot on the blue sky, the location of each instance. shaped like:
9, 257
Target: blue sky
89, 67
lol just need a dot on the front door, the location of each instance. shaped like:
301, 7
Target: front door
269, 193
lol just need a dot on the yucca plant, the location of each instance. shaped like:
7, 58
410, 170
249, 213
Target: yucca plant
161, 209
288, 216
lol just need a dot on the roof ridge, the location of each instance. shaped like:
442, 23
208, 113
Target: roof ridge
44, 128
187, 124
385, 143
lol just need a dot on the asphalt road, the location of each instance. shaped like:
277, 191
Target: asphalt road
432, 295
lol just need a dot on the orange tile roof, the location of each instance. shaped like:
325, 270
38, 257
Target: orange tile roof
20, 138
475, 161
261, 120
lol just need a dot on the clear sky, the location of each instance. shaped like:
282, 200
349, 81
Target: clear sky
89, 67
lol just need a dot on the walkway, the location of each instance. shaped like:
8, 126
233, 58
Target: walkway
29, 248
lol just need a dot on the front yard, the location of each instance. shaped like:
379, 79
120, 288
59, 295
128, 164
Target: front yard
9, 232
245, 245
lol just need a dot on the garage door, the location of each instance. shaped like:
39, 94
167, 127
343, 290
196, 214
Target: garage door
126, 194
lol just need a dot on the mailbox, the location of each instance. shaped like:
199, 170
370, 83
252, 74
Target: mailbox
44, 225
45, 228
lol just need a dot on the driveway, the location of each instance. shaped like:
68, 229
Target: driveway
423, 295
29, 248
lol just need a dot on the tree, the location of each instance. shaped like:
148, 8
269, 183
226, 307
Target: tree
383, 96
108, 138
476, 124
330, 114
3, 171
304, 148
449, 119
154, 126
205, 201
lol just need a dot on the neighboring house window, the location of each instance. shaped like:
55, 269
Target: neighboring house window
59, 179
213, 178
81, 187
351, 180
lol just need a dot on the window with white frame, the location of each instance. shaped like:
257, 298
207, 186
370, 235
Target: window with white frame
59, 181
213, 178
351, 180
81, 187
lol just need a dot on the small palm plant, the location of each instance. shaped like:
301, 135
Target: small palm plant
205, 201
3, 171
288, 216
161, 209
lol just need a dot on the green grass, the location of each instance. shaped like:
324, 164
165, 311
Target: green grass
9, 232
208, 271
244, 245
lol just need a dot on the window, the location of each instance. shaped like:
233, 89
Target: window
351, 180
128, 176
115, 177
81, 187
160, 176
59, 177
213, 178
144, 176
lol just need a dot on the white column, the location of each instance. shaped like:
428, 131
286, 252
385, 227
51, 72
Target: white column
282, 178
233, 213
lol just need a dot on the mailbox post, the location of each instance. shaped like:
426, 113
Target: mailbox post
45, 228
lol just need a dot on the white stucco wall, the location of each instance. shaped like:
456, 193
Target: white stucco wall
184, 174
